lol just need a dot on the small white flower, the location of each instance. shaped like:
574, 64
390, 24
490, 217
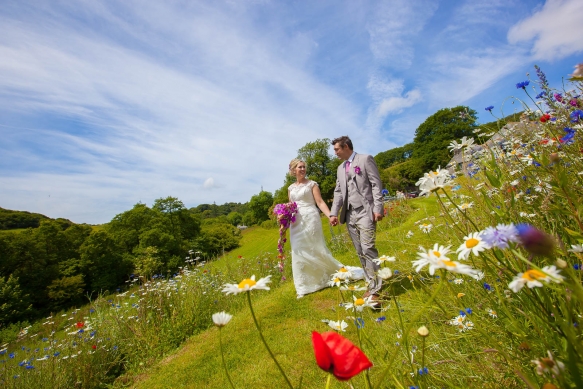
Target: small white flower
383, 258
534, 278
576, 248
343, 274
360, 303
409, 234
338, 325
473, 243
548, 365
221, 319
385, 273
247, 285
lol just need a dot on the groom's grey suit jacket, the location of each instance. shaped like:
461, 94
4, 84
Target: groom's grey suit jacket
362, 188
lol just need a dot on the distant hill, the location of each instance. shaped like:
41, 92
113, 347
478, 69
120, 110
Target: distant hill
11, 220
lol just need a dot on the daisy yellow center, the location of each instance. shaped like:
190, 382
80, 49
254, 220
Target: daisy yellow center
336, 280
342, 270
359, 302
532, 275
472, 242
448, 263
437, 254
425, 224
246, 282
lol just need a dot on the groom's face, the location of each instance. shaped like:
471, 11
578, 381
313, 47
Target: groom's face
342, 152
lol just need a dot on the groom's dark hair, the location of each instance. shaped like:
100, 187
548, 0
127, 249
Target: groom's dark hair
343, 141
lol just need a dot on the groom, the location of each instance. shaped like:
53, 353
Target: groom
358, 198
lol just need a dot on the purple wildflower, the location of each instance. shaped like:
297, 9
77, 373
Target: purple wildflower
535, 241
541, 76
500, 235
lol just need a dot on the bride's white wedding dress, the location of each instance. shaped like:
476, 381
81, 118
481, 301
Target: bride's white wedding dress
312, 261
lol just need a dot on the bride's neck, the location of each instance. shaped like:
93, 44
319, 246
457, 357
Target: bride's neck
298, 181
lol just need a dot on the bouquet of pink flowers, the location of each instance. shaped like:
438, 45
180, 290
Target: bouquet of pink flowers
286, 215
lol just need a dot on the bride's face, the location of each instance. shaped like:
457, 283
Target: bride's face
300, 170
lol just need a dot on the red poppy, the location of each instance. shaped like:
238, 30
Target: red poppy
80, 324
239, 256
94, 347
337, 355
545, 117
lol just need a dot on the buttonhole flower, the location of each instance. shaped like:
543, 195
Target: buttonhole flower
338, 355
357, 170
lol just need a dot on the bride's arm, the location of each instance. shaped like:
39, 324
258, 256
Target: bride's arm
319, 201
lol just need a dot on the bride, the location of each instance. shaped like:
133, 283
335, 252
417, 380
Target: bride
312, 262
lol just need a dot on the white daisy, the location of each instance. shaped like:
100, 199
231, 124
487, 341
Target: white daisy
353, 288
360, 303
384, 258
548, 365
534, 278
246, 285
576, 248
221, 319
426, 227
338, 325
343, 274
385, 273
335, 282
473, 243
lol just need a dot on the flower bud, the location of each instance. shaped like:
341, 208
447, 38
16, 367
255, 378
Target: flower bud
535, 241
561, 264
423, 331
554, 157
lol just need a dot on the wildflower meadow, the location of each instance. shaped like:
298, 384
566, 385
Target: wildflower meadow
482, 288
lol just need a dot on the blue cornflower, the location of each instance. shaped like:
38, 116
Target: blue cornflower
463, 313
423, 371
45, 339
380, 319
413, 387
115, 347
469, 311
11, 355
29, 367
576, 115
541, 95
396, 272
2, 352
385, 192
500, 235
16, 376
490, 108
56, 354
487, 286
535, 163
81, 331
577, 266
21, 363
522, 85
359, 322
568, 139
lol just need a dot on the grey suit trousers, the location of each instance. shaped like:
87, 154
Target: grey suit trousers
362, 231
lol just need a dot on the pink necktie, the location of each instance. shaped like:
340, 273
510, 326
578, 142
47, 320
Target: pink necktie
347, 166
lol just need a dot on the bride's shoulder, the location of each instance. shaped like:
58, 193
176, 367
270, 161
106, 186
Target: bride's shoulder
311, 183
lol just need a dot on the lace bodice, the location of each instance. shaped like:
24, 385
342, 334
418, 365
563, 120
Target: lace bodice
302, 194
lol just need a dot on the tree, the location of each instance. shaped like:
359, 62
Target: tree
235, 218
14, 304
434, 135
216, 237
147, 263
393, 156
259, 206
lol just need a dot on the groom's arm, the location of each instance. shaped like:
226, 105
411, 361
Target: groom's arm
376, 184
336, 203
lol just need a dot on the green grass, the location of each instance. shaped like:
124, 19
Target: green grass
287, 322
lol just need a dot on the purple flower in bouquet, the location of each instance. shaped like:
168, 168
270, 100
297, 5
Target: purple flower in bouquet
357, 170
286, 215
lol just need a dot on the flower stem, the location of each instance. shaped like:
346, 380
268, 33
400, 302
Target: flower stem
265, 343
223, 358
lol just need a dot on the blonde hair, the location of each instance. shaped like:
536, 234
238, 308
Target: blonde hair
293, 164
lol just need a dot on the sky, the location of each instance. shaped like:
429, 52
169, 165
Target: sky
104, 104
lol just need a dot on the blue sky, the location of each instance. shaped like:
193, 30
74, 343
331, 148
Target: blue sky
104, 104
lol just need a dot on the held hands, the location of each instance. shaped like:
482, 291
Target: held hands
333, 220
378, 217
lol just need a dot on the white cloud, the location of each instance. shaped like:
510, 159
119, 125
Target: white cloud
209, 183
556, 30
393, 27
175, 96
396, 104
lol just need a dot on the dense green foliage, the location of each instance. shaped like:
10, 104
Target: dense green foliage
10, 220
394, 156
60, 264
